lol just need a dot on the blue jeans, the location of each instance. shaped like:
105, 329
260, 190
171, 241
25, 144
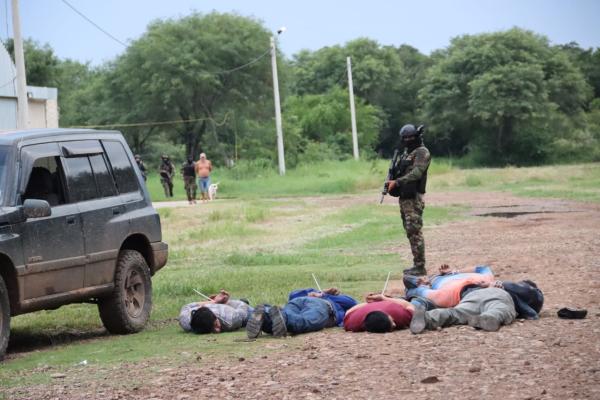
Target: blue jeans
303, 314
204, 183
307, 314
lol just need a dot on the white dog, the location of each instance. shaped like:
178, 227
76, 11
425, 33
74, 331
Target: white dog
212, 191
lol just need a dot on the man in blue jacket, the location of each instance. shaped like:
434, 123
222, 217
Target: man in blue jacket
307, 310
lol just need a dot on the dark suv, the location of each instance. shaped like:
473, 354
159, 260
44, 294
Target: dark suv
76, 225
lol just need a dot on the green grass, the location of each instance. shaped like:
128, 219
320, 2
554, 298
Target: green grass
576, 182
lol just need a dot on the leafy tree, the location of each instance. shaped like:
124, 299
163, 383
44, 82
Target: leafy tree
384, 76
588, 61
40, 62
497, 94
181, 70
325, 119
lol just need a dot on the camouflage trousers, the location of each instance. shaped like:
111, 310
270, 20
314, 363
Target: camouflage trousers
411, 211
167, 185
190, 187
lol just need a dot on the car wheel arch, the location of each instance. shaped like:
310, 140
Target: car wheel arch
9, 275
141, 244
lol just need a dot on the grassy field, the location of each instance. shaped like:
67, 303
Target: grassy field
262, 241
577, 182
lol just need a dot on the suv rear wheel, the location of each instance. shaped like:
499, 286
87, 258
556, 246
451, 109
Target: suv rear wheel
127, 308
4, 318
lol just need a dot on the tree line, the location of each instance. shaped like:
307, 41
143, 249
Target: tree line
508, 97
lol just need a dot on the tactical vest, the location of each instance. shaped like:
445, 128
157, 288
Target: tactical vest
409, 190
188, 169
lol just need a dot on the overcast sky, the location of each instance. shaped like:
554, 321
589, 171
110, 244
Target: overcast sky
424, 24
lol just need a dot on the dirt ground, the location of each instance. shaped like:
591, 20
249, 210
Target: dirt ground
555, 243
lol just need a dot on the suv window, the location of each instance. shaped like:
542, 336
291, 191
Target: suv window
104, 181
80, 179
45, 181
4, 152
121, 166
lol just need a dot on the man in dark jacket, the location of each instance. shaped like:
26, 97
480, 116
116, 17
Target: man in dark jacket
166, 171
188, 170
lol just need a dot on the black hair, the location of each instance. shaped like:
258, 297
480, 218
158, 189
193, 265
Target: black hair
535, 301
378, 322
203, 320
530, 283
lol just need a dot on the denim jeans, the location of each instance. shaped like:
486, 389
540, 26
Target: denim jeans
204, 183
307, 314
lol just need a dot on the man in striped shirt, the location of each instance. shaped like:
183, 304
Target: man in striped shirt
221, 314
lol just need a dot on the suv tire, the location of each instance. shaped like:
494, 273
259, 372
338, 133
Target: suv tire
127, 308
4, 318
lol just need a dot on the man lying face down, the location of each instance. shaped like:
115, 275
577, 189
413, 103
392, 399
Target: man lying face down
379, 314
221, 314
307, 310
445, 288
486, 306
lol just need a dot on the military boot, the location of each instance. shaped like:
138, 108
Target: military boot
416, 271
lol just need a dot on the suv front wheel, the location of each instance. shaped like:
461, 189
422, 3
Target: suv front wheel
127, 308
4, 318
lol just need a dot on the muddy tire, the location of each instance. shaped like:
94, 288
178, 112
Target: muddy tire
127, 308
4, 318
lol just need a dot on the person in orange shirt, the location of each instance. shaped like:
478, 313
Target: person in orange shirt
203, 170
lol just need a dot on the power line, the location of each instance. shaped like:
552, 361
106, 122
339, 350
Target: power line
249, 63
93, 23
228, 71
156, 123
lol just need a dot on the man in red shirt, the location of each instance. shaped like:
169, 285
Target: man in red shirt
379, 314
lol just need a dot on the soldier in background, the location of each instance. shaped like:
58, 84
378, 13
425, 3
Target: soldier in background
188, 170
409, 186
141, 166
166, 171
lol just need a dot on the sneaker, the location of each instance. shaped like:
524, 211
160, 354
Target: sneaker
485, 322
278, 321
255, 322
417, 323
416, 271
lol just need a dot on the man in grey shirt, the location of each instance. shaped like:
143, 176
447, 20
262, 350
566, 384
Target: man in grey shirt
221, 314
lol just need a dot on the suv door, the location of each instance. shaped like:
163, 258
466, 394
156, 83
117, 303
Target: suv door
52, 246
105, 226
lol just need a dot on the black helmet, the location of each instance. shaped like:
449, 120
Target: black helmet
409, 135
407, 131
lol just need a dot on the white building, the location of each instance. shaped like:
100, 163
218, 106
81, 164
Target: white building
42, 101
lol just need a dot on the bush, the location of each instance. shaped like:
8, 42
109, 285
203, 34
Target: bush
316, 152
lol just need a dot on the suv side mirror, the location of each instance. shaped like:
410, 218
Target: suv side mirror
34, 208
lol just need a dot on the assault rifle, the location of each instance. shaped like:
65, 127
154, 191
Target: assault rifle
390, 175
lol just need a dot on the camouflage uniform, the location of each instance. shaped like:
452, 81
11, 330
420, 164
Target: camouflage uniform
411, 209
166, 172
188, 170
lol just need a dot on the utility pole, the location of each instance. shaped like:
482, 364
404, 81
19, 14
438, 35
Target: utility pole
20, 64
280, 154
352, 110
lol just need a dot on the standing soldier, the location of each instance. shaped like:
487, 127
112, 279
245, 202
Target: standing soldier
203, 169
141, 166
409, 186
166, 171
188, 170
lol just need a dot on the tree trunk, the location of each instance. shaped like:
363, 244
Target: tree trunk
503, 138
